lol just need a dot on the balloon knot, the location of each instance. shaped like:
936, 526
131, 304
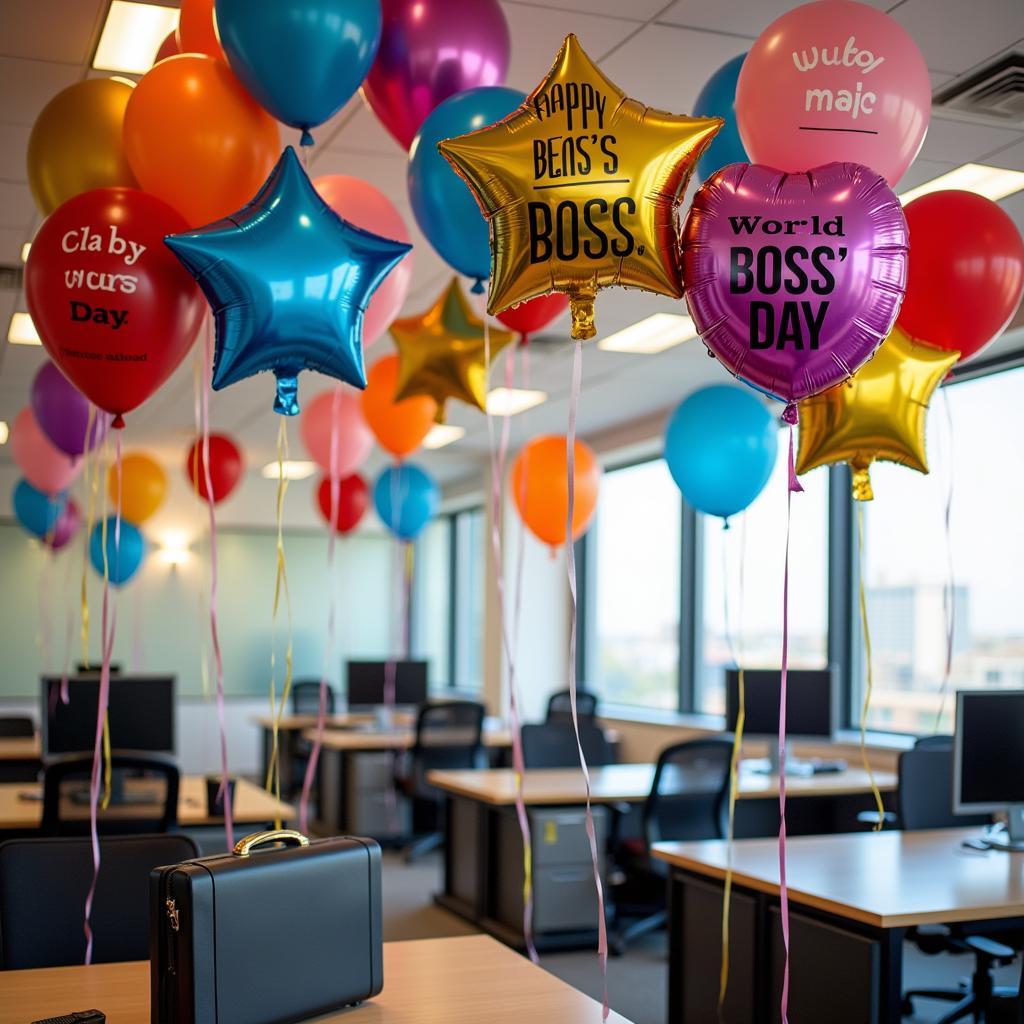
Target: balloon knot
791, 414
307, 138
117, 422
524, 339
726, 525
478, 287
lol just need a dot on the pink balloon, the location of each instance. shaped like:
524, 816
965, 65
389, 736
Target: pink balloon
43, 465
359, 203
67, 526
834, 80
354, 437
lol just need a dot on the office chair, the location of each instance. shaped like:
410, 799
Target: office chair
43, 884
306, 697
449, 735
553, 745
688, 800
560, 705
16, 727
138, 805
305, 701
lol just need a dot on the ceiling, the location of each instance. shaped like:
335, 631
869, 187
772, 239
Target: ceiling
661, 53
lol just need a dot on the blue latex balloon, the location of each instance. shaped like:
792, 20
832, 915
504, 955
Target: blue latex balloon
406, 498
444, 207
288, 281
36, 511
720, 446
718, 99
300, 59
124, 555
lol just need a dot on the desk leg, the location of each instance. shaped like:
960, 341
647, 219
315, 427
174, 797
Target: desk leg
466, 859
890, 1010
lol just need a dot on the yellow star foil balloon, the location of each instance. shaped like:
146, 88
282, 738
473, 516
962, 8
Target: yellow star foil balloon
581, 187
878, 414
443, 352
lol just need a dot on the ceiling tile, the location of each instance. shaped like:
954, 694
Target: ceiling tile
356, 127
635, 10
961, 142
1010, 157
11, 241
746, 18
13, 148
16, 209
921, 171
51, 30
28, 85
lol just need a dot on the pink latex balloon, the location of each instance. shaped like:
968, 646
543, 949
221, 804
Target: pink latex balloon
354, 437
359, 203
834, 80
42, 464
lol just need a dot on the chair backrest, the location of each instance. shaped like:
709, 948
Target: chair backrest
448, 735
43, 885
553, 745
560, 705
924, 792
16, 727
306, 697
937, 742
144, 795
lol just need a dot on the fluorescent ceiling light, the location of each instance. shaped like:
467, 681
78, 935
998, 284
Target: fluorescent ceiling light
131, 36
293, 470
512, 401
441, 434
654, 334
24, 252
5, 432
991, 182
174, 550
22, 331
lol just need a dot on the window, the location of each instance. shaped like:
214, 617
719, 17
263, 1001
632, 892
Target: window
431, 600
469, 570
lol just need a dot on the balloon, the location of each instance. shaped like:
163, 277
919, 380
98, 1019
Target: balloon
75, 143
300, 59
398, 426
43, 465
368, 208
966, 273
66, 526
119, 344
353, 501
288, 281
406, 498
540, 487
444, 208
226, 467
442, 352
534, 315
195, 138
39, 513
197, 29
720, 446
124, 552
431, 50
718, 99
794, 280
580, 195
834, 80
168, 48
354, 439
62, 412
143, 486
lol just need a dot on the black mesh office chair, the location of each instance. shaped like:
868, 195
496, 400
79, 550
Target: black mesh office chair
560, 705
553, 745
43, 885
306, 697
144, 799
16, 727
688, 800
305, 701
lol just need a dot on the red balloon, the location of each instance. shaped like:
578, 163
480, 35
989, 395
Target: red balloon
114, 308
965, 274
534, 315
353, 500
168, 48
226, 467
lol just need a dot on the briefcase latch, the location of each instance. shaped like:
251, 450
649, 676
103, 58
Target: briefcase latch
282, 835
172, 914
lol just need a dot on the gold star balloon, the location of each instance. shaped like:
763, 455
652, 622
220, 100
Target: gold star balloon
878, 414
443, 352
581, 187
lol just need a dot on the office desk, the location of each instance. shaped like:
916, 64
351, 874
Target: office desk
852, 897
20, 758
431, 981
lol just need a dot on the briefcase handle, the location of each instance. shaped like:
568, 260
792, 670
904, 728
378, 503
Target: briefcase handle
281, 835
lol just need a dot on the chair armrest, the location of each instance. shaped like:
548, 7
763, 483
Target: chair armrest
983, 946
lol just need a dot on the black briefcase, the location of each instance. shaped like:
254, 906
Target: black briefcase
266, 937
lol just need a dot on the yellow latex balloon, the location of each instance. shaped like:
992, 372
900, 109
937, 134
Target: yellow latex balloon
878, 414
75, 143
442, 352
143, 486
581, 187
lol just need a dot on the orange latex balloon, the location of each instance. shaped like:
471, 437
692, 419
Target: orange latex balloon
398, 426
143, 486
195, 138
540, 488
197, 29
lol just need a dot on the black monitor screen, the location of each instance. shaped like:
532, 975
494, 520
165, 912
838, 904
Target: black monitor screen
808, 701
989, 749
141, 714
366, 680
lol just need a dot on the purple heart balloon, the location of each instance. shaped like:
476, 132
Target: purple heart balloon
66, 526
62, 412
794, 280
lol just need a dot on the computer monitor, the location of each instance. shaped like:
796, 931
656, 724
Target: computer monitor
988, 760
365, 682
86, 669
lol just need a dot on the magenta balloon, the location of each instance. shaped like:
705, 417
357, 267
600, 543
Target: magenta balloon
430, 50
43, 465
354, 437
67, 525
62, 412
793, 280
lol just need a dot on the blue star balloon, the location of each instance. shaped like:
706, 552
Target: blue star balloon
288, 281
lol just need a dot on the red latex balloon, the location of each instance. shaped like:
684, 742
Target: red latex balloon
965, 274
168, 48
529, 317
197, 29
353, 500
226, 467
115, 310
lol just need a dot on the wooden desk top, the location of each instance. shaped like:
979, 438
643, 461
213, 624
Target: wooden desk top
630, 783
431, 981
342, 720
885, 879
20, 748
392, 739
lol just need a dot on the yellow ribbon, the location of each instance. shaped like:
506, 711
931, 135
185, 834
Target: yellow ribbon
869, 674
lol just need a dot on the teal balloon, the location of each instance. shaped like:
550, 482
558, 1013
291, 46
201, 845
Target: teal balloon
406, 498
441, 201
39, 513
720, 446
124, 552
718, 99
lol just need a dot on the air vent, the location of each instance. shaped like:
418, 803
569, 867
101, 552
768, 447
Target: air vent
11, 277
994, 92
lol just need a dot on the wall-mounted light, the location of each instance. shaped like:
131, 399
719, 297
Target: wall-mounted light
174, 550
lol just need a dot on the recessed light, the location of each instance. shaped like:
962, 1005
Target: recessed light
5, 432
22, 331
293, 470
651, 335
512, 401
441, 434
131, 36
991, 182
24, 252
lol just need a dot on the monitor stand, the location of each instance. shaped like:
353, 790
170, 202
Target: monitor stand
771, 764
1010, 838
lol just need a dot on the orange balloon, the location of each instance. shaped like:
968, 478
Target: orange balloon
398, 426
196, 139
143, 486
197, 29
540, 488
